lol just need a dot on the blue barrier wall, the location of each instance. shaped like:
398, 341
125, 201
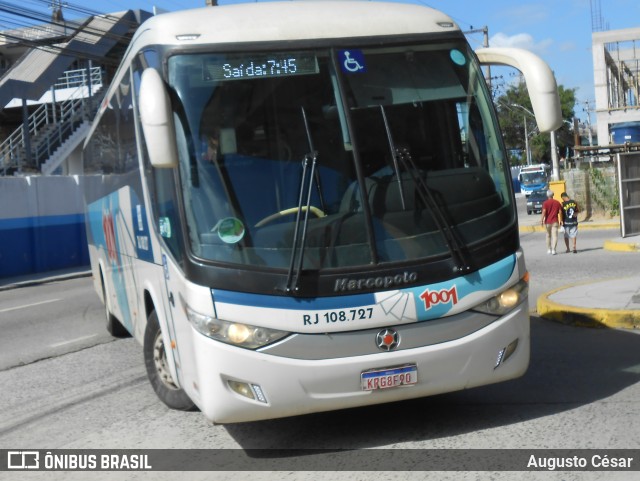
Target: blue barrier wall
41, 224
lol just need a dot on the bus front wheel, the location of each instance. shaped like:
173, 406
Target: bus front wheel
155, 359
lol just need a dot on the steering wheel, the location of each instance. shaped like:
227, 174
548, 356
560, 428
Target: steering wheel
292, 210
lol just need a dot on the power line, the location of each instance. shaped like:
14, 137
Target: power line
57, 29
22, 12
51, 28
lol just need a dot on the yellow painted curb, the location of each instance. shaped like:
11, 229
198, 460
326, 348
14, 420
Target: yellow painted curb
587, 225
525, 229
621, 246
583, 317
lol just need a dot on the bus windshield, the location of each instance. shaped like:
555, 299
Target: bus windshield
353, 156
533, 178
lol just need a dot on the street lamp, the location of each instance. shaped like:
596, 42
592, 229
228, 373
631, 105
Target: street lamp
527, 134
554, 152
527, 148
526, 140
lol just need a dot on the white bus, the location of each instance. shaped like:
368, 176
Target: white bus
307, 207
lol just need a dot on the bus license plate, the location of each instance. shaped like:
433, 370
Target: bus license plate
388, 378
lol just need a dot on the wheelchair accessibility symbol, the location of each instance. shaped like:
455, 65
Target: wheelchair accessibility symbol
352, 61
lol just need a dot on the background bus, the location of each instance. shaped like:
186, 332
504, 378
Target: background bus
307, 206
534, 177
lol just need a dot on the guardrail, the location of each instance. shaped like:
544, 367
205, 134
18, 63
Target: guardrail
71, 113
50, 124
79, 77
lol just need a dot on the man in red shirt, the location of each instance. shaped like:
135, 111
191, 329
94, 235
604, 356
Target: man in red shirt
551, 211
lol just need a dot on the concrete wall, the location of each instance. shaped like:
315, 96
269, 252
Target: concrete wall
41, 224
611, 107
594, 198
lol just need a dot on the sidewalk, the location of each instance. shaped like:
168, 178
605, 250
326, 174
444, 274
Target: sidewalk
613, 303
532, 224
43, 277
616, 243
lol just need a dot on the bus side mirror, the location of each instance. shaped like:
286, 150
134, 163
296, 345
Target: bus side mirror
156, 117
541, 83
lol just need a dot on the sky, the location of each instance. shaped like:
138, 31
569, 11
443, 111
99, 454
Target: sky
557, 30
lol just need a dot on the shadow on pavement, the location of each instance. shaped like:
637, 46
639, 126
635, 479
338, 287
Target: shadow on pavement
570, 367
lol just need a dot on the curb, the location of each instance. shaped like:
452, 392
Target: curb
538, 228
525, 229
583, 317
596, 225
611, 245
44, 280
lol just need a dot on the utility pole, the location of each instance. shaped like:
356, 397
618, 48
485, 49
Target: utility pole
56, 11
485, 43
588, 111
555, 175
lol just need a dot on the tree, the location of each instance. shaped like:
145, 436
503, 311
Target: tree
512, 109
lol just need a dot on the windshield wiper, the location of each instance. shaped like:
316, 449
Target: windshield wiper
401, 156
426, 195
316, 175
394, 156
306, 185
299, 238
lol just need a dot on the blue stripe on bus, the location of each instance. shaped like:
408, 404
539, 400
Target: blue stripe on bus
284, 302
486, 279
489, 278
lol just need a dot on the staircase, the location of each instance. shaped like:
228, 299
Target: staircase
59, 155
55, 130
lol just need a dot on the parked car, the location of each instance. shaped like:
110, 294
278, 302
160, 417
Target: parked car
535, 200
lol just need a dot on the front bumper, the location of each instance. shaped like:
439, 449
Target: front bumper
294, 386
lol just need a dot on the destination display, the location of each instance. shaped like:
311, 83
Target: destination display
249, 66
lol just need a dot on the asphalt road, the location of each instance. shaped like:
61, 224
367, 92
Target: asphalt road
68, 385
49, 320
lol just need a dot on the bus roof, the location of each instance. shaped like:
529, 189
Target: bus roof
534, 168
280, 21
297, 20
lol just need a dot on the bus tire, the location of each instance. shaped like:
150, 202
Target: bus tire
158, 372
114, 326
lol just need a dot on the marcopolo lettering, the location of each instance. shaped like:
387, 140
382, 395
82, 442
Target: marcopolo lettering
382, 282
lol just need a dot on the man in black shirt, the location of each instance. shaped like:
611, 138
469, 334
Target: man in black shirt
569, 220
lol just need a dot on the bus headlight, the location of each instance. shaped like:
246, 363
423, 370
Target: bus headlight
234, 333
505, 301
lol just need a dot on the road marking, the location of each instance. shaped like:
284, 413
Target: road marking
73, 341
29, 305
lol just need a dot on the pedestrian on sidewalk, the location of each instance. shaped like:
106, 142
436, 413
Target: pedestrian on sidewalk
569, 220
551, 217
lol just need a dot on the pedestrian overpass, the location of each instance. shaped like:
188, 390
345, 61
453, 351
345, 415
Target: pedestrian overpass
53, 89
